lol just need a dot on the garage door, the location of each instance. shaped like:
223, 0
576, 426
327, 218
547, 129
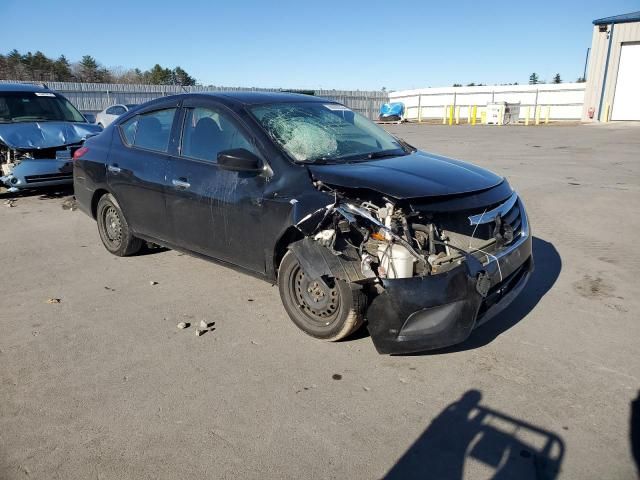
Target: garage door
626, 103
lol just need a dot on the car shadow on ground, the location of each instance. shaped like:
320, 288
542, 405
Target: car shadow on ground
634, 431
45, 193
468, 439
548, 265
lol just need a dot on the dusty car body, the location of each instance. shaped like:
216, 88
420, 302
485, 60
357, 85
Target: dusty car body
422, 247
39, 131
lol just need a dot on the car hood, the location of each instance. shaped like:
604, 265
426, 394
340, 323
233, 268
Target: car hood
418, 174
35, 135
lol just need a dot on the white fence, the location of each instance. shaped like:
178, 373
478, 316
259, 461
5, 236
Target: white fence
560, 101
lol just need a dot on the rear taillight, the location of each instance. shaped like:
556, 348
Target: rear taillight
80, 152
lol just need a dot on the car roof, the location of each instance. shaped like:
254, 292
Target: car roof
256, 98
23, 87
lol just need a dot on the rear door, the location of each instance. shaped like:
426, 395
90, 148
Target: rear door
137, 169
213, 211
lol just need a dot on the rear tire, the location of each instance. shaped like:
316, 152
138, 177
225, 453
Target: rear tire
331, 314
114, 230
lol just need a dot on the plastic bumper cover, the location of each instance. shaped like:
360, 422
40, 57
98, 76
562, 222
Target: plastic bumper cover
425, 313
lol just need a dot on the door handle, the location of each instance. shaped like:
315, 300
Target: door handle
180, 183
114, 169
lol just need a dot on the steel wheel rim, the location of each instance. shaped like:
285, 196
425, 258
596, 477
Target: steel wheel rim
112, 226
319, 305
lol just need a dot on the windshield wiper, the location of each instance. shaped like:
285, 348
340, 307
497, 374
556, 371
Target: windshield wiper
384, 154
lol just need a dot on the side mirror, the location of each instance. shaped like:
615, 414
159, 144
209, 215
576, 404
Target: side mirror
239, 160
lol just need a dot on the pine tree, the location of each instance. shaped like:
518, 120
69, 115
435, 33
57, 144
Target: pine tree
556, 78
533, 79
89, 69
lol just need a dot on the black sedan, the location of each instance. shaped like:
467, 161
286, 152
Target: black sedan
352, 223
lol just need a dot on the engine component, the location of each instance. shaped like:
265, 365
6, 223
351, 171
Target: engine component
395, 261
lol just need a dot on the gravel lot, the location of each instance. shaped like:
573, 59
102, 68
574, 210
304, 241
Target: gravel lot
103, 385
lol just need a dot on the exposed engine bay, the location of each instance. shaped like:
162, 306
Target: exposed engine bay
397, 239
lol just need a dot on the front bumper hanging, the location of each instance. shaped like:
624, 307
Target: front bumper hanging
424, 313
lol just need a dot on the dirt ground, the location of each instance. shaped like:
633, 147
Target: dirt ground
97, 382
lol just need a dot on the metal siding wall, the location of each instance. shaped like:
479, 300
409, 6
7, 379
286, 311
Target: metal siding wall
622, 33
565, 100
93, 97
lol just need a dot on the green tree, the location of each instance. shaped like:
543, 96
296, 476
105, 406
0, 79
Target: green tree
556, 78
533, 79
160, 76
89, 69
180, 77
62, 69
41, 67
581, 80
457, 84
15, 68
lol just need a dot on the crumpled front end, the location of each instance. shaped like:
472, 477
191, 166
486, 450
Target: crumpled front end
30, 169
434, 269
39, 154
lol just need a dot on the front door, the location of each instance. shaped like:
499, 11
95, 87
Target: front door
213, 211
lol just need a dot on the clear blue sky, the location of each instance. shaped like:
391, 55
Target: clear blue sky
318, 44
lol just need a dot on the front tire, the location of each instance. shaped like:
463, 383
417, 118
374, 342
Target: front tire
328, 314
114, 230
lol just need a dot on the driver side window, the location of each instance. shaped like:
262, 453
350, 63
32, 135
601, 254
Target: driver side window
207, 132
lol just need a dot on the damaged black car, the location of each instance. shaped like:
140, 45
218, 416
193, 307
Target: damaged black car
39, 132
354, 225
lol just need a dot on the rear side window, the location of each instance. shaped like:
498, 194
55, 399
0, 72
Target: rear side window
207, 132
150, 131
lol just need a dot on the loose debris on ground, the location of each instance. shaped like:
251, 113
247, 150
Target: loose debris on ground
70, 204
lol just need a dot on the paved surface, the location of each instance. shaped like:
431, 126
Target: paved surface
103, 385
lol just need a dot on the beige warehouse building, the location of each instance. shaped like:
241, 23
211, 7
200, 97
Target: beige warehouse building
613, 78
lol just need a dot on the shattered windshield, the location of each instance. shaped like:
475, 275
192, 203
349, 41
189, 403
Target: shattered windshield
325, 132
36, 106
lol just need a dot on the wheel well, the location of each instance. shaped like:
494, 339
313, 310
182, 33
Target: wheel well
290, 235
97, 195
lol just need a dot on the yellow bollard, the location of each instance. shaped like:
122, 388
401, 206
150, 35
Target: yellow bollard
444, 116
526, 120
483, 118
474, 114
546, 117
538, 115
457, 115
450, 115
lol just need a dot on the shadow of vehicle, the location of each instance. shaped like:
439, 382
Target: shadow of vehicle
468, 439
45, 193
151, 249
634, 431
